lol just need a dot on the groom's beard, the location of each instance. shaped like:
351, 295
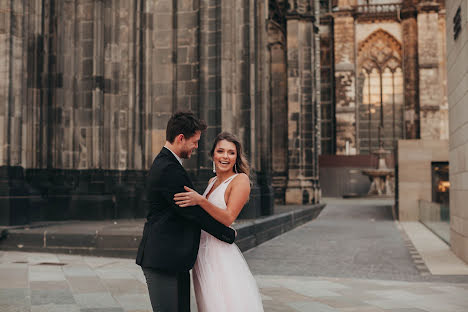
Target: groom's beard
186, 154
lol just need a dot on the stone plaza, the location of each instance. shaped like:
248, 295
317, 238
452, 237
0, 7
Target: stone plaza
354, 257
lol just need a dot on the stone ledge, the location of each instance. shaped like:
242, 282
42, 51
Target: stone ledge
254, 233
120, 238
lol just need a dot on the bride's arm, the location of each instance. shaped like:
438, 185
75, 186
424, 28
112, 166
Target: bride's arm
240, 190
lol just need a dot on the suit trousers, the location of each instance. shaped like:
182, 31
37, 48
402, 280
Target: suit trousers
168, 291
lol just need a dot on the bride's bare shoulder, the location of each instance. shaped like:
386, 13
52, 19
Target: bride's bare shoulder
241, 178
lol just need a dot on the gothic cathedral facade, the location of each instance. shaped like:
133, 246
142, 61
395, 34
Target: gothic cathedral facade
87, 87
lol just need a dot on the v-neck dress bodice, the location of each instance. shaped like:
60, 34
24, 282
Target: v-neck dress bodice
221, 277
216, 196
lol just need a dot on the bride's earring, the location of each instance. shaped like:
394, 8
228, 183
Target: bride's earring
214, 167
235, 168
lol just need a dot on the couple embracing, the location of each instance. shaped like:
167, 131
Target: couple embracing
186, 230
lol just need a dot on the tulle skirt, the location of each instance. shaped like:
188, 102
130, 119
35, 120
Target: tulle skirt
222, 279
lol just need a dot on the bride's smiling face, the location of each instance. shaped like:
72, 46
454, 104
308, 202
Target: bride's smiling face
224, 156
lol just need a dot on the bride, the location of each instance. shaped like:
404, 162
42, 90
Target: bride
221, 277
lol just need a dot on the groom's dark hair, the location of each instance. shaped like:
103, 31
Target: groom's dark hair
183, 122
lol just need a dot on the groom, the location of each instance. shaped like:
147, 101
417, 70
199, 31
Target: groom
169, 246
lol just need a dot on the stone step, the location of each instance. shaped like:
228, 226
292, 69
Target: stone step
120, 238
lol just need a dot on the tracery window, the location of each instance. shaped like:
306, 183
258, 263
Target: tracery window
380, 98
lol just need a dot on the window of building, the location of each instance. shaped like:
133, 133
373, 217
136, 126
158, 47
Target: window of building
380, 95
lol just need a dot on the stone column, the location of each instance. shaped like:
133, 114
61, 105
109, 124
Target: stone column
301, 88
83, 108
431, 99
410, 70
13, 43
242, 79
228, 61
317, 121
211, 21
345, 84
261, 92
162, 67
68, 64
187, 68
279, 111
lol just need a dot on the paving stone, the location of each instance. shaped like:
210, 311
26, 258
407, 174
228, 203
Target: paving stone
16, 296
58, 296
134, 301
312, 306
101, 300
408, 310
341, 302
113, 274
103, 310
86, 284
55, 308
124, 286
282, 294
397, 295
14, 308
45, 274
388, 304
13, 277
309, 290
48, 285
274, 306
78, 270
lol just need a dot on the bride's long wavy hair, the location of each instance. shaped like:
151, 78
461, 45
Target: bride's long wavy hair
241, 161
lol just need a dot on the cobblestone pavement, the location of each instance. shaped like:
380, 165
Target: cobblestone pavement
352, 258
350, 239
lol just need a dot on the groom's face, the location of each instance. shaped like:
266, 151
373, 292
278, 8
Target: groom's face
189, 145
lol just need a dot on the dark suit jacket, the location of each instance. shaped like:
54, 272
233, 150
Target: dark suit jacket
172, 234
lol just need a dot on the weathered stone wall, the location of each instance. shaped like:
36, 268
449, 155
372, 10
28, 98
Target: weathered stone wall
302, 97
431, 43
279, 114
345, 84
419, 28
457, 65
410, 71
13, 46
87, 88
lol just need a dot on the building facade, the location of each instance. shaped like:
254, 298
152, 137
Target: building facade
457, 65
87, 87
383, 80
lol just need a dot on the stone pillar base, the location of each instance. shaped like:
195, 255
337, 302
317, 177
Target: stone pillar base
300, 192
267, 193
279, 186
14, 201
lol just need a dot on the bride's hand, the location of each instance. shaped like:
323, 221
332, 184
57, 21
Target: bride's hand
187, 199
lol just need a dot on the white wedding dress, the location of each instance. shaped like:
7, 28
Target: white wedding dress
221, 277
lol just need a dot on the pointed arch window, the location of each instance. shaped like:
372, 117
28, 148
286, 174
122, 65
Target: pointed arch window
381, 93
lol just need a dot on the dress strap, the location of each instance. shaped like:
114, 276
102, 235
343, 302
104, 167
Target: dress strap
230, 179
210, 186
